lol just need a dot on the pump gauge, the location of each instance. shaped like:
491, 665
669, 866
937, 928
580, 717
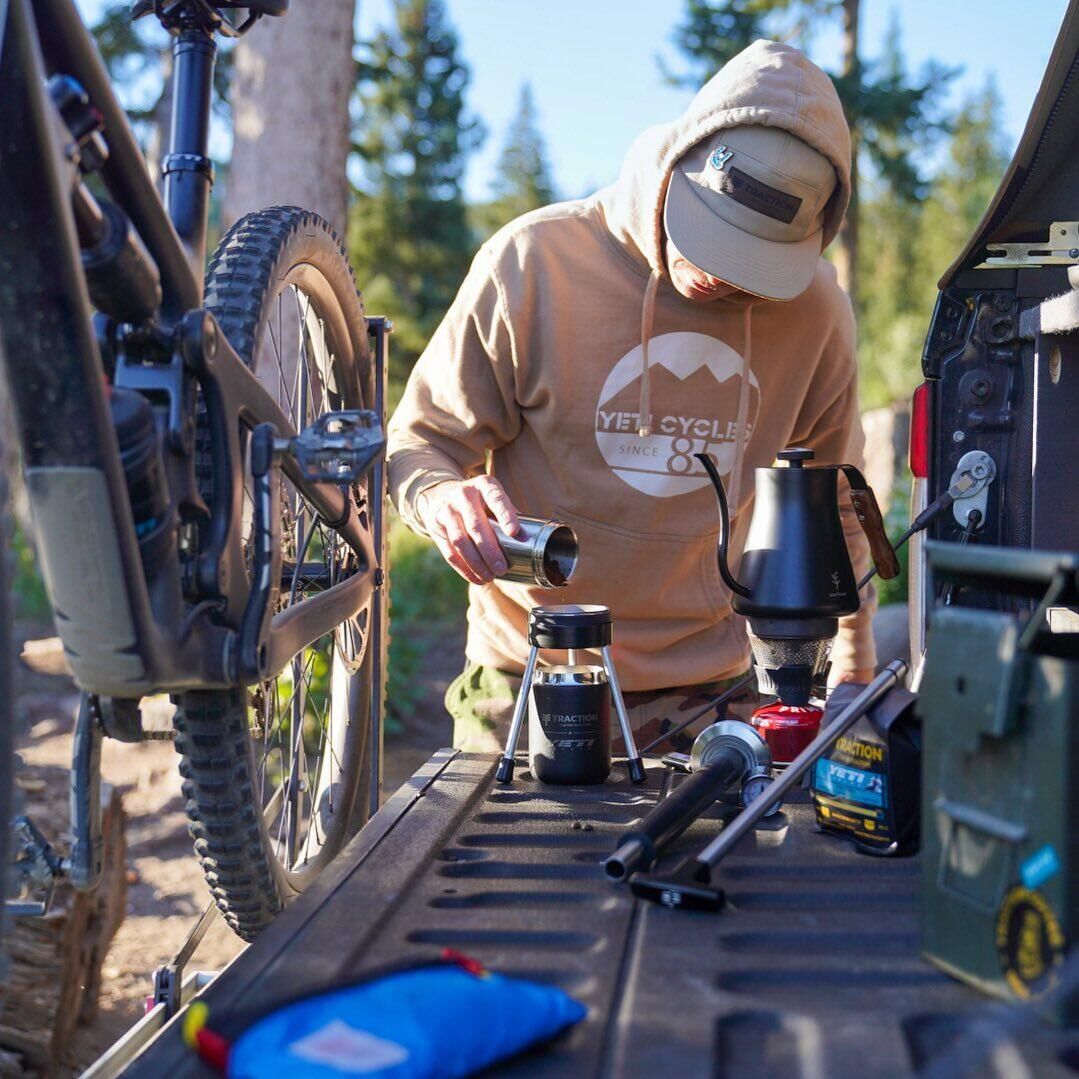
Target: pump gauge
754, 787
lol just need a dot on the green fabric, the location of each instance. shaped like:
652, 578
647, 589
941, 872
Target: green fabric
481, 700
475, 693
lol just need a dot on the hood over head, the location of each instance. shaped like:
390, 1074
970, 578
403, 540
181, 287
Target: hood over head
768, 84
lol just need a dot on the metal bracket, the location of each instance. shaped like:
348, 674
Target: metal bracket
1061, 248
169, 979
983, 470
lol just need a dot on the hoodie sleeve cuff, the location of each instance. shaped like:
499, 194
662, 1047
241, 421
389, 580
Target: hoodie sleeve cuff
854, 648
411, 473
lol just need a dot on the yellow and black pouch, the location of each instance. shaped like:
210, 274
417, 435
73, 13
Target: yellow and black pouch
867, 788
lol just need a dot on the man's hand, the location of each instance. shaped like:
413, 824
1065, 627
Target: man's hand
456, 513
863, 676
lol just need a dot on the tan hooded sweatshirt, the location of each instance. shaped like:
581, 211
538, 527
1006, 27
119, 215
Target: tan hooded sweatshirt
536, 375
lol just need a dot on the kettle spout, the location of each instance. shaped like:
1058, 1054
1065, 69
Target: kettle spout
724, 527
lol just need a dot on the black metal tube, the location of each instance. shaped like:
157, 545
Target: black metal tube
757, 810
639, 848
187, 168
68, 48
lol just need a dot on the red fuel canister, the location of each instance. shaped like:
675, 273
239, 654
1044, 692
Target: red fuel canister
787, 728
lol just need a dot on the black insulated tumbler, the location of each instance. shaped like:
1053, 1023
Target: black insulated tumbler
569, 725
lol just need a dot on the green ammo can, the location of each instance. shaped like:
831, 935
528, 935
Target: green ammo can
1000, 778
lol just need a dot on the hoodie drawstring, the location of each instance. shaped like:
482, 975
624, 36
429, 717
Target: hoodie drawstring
735, 481
644, 405
648, 312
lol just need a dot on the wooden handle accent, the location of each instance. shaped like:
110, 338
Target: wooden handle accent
884, 557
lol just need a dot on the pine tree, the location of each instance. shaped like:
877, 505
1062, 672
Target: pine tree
913, 243
523, 178
962, 191
889, 114
408, 229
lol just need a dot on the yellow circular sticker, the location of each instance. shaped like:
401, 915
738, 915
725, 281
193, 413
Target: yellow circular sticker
1030, 943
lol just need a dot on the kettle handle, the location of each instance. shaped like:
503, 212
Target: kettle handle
724, 527
869, 517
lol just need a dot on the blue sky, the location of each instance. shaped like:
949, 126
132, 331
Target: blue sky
592, 65
593, 71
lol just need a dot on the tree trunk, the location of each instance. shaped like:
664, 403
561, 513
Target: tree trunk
54, 977
291, 84
162, 120
846, 259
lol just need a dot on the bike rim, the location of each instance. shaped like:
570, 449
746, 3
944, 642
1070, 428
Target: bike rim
300, 720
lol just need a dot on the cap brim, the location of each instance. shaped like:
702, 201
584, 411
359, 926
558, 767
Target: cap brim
769, 268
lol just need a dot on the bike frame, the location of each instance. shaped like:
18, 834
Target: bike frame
198, 622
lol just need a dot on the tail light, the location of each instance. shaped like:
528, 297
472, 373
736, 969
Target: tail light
919, 433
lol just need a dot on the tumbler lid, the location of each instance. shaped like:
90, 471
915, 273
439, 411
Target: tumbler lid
570, 625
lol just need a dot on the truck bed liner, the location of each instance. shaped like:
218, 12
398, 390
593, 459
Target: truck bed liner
812, 970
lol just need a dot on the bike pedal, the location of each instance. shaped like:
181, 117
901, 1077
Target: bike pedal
36, 868
339, 447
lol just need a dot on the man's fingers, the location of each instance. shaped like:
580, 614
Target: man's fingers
457, 535
476, 523
500, 505
454, 559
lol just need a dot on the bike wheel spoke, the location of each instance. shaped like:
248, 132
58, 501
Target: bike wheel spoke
303, 712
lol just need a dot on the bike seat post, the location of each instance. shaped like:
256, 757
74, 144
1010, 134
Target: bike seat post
187, 169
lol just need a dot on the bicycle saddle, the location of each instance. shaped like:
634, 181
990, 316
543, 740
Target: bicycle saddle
253, 7
257, 7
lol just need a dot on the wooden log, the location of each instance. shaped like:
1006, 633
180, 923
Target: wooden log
54, 974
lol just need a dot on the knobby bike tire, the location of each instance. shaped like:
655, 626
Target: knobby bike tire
214, 737
8, 706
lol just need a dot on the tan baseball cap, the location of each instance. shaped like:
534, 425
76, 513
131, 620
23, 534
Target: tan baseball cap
747, 206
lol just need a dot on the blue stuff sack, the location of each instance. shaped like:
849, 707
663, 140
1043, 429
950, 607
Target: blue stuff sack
437, 1020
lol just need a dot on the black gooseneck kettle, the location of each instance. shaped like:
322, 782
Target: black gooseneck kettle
796, 574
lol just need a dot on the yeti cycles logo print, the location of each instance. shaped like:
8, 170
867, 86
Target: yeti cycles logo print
695, 384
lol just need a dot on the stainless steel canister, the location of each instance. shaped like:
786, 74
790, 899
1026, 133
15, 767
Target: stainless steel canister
542, 552
569, 725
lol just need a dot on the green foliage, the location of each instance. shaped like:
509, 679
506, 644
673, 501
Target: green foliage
896, 521
894, 121
138, 58
909, 244
977, 158
31, 599
523, 177
426, 596
408, 230
713, 33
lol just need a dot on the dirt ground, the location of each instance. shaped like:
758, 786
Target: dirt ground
166, 891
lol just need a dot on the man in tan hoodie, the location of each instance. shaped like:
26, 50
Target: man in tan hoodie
596, 345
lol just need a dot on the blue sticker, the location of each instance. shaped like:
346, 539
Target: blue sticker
854, 784
1039, 867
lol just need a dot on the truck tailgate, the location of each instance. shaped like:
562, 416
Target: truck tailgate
812, 970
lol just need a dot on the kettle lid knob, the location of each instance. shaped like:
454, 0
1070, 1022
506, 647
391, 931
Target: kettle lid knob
795, 456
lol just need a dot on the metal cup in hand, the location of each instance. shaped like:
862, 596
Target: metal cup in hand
542, 552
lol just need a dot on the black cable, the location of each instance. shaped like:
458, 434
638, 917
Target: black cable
715, 702
930, 513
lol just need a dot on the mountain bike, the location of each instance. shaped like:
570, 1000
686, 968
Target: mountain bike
202, 451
